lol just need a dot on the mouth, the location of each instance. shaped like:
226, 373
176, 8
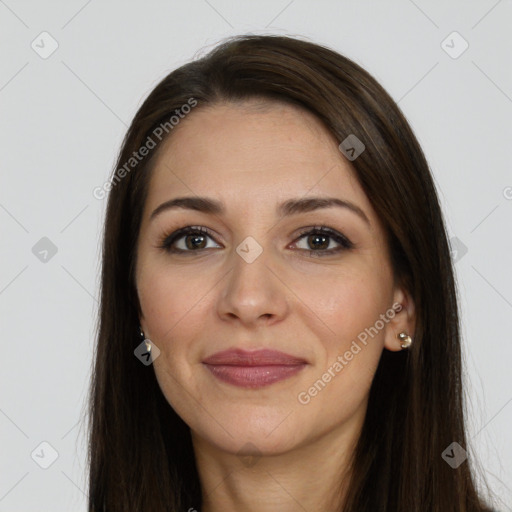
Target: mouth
253, 369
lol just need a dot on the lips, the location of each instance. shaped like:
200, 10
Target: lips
264, 357
253, 369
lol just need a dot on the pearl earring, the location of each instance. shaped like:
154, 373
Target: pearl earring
405, 339
143, 337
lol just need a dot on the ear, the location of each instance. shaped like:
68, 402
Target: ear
404, 320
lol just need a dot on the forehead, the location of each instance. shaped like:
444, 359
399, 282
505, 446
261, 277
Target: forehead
252, 151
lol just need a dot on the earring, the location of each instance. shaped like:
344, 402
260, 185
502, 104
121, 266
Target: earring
143, 337
405, 339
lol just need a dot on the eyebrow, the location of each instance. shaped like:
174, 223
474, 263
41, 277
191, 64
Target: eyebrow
289, 207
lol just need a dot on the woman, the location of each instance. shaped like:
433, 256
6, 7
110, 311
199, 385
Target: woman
275, 247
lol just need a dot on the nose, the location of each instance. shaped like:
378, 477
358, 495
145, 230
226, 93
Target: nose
252, 292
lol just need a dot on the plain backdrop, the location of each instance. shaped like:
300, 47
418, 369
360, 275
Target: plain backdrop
73, 74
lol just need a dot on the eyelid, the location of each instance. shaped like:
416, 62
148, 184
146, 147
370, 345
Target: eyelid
328, 231
344, 243
168, 239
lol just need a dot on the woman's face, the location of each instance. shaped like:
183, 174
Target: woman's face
253, 280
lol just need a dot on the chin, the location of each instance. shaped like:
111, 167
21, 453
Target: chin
252, 435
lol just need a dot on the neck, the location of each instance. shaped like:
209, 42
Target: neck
310, 477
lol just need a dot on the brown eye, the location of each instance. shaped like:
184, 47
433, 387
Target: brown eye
196, 241
318, 240
188, 239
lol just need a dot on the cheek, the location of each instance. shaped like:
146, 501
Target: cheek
340, 384
345, 302
171, 303
174, 308
351, 307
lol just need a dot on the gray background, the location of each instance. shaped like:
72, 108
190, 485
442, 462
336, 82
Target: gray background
62, 122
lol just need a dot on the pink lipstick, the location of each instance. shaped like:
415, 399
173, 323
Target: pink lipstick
253, 369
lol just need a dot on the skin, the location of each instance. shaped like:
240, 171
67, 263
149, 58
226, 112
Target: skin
253, 156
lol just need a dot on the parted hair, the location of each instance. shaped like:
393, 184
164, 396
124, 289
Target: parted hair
140, 454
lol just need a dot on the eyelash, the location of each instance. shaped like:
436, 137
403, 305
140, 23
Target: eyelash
345, 244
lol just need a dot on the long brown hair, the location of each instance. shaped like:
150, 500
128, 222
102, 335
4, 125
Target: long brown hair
140, 451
